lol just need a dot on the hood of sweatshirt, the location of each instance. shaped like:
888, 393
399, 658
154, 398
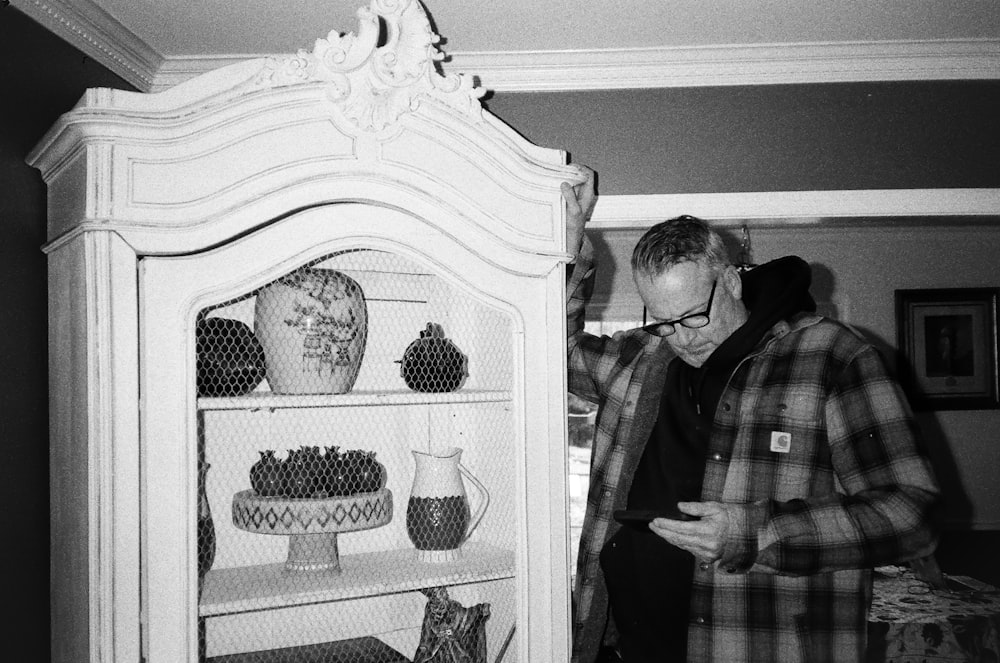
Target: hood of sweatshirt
771, 292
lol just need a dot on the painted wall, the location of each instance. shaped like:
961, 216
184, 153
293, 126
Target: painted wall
908, 135
40, 78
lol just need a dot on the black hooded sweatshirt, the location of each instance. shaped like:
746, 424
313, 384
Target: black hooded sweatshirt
649, 580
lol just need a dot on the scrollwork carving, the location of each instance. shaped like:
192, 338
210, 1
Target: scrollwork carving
371, 85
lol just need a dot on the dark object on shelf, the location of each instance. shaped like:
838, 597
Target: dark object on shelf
364, 474
230, 358
308, 473
333, 478
267, 476
206, 526
451, 633
357, 650
353, 472
437, 523
301, 470
433, 363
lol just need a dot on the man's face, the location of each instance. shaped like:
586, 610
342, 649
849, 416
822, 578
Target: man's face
685, 289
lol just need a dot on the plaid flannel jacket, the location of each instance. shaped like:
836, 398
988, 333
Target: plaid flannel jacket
851, 492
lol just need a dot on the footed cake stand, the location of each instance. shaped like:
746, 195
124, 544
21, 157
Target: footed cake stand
311, 524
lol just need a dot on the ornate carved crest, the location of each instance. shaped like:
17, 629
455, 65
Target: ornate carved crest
372, 84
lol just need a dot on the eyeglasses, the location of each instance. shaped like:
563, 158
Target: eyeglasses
691, 321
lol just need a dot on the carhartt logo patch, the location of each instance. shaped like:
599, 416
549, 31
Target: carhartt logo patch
781, 442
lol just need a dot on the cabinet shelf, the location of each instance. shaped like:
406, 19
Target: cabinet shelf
269, 586
262, 400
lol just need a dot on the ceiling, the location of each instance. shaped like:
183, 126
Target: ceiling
561, 44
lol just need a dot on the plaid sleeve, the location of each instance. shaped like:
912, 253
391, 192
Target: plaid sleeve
739, 551
595, 363
881, 515
579, 286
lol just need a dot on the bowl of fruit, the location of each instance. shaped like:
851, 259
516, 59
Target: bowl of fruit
311, 497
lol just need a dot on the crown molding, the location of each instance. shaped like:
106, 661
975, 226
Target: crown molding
535, 71
95, 32
732, 65
803, 208
86, 26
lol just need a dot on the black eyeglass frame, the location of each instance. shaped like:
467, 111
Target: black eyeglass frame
691, 320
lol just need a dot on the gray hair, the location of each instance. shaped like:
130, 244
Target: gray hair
682, 239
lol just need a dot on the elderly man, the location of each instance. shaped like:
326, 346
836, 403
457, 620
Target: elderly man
780, 458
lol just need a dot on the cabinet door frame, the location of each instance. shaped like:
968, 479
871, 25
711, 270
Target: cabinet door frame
174, 289
94, 448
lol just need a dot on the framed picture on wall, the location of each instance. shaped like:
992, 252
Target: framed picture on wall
948, 345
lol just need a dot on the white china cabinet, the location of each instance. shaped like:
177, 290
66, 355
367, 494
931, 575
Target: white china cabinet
176, 536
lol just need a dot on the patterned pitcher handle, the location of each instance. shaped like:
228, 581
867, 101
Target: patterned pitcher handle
483, 503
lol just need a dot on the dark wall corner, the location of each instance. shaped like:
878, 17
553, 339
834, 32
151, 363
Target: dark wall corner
41, 77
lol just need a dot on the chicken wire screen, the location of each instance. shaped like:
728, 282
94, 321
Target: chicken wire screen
356, 456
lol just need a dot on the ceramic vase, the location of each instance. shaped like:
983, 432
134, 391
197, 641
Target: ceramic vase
438, 516
206, 526
313, 326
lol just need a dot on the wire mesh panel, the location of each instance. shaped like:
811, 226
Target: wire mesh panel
356, 437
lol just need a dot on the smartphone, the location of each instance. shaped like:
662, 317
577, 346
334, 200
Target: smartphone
641, 517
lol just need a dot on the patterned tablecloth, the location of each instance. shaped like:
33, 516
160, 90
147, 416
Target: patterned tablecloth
911, 622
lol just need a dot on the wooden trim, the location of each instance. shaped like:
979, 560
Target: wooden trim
749, 64
89, 28
757, 64
888, 207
